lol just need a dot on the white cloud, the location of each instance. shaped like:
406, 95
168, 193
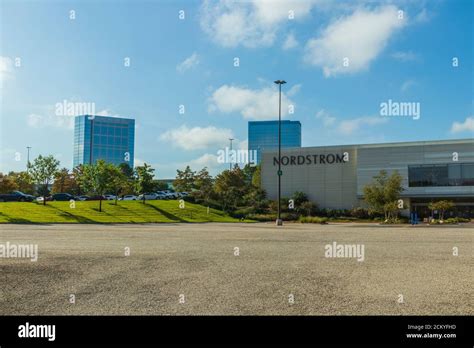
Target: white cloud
243, 145
106, 112
6, 69
423, 16
197, 137
189, 63
294, 90
360, 37
57, 121
256, 104
249, 23
407, 85
35, 121
325, 118
466, 126
348, 127
290, 42
207, 160
405, 56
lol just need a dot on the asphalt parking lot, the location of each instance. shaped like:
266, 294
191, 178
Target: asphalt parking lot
237, 269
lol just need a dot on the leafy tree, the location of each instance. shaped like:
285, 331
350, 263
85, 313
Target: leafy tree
63, 182
203, 184
160, 185
7, 183
441, 206
230, 187
249, 171
144, 180
126, 170
23, 181
42, 172
118, 180
95, 179
257, 177
256, 200
383, 192
184, 181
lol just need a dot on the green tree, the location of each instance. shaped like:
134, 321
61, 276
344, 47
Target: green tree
160, 185
126, 170
25, 182
184, 181
257, 177
95, 179
203, 184
249, 171
7, 183
63, 182
42, 172
383, 192
118, 180
256, 199
230, 187
441, 206
144, 179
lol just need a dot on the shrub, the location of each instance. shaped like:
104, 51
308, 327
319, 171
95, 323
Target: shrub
262, 217
454, 220
243, 212
307, 208
359, 213
313, 220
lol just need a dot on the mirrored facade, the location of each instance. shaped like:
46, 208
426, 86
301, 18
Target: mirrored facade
263, 135
99, 137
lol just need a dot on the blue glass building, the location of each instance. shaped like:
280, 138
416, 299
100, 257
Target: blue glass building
99, 137
263, 135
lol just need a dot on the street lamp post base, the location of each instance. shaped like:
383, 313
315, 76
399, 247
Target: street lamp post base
279, 222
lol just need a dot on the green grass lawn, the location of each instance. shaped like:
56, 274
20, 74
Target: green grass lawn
123, 212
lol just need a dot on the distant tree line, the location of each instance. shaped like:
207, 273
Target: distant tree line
237, 191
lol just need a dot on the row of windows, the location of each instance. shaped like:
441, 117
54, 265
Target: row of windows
113, 141
111, 131
459, 174
110, 153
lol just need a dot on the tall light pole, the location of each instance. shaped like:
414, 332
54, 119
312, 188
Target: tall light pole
28, 159
230, 164
279, 221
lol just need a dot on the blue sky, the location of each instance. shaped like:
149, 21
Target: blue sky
341, 61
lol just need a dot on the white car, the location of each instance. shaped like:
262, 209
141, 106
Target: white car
171, 195
149, 196
162, 195
129, 198
110, 197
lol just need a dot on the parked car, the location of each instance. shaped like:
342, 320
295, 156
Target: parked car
183, 194
162, 195
62, 197
16, 196
82, 198
129, 198
170, 195
110, 197
151, 195
96, 198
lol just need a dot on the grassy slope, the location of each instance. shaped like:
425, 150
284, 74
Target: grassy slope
124, 212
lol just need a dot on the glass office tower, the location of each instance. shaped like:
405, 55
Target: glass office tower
99, 137
263, 135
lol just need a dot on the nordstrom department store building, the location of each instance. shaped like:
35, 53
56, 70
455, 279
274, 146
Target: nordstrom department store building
334, 176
